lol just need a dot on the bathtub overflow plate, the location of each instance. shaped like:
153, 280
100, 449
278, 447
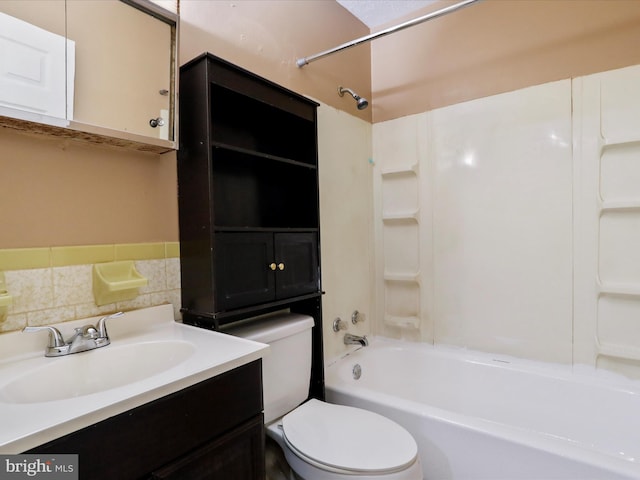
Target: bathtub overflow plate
357, 371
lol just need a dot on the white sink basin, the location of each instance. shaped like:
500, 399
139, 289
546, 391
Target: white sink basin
95, 371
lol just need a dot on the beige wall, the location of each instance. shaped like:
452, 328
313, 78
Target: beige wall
267, 37
497, 46
60, 192
46, 14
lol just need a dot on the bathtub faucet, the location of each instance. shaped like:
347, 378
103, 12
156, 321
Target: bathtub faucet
350, 339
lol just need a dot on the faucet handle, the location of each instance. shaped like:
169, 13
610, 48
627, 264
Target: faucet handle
55, 337
102, 324
339, 324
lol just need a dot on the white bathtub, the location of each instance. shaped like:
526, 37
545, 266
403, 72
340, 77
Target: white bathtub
478, 416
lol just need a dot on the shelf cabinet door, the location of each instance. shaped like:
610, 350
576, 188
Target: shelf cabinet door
296, 255
242, 269
259, 267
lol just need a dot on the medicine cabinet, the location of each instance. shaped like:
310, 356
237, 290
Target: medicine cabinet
102, 72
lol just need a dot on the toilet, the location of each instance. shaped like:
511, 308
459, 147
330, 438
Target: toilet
323, 441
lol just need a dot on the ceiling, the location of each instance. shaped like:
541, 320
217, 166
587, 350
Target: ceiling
374, 13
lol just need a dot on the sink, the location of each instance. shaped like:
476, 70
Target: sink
95, 371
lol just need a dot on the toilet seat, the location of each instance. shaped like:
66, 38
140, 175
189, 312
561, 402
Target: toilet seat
350, 440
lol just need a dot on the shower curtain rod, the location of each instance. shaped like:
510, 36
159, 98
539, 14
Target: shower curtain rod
301, 62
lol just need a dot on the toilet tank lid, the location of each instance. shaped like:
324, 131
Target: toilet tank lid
276, 327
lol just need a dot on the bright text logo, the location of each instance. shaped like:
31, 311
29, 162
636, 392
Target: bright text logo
27, 466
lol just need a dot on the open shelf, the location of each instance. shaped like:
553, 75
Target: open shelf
252, 125
248, 192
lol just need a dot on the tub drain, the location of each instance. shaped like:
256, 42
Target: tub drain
357, 371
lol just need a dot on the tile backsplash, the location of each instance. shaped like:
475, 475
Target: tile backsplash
52, 285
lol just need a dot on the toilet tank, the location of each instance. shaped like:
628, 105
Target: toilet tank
286, 368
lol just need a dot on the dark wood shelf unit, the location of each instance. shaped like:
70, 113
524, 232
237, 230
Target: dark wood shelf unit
248, 200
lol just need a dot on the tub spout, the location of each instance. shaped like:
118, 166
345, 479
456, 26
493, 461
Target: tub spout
350, 339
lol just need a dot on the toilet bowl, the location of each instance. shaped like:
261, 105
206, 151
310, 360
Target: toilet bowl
323, 441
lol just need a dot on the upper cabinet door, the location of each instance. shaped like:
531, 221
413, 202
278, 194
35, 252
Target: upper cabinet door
123, 67
32, 58
32, 68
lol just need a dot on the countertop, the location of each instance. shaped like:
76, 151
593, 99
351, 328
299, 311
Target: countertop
27, 425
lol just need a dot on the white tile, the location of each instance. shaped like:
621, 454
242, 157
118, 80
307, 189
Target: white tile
172, 266
49, 316
72, 285
155, 273
30, 289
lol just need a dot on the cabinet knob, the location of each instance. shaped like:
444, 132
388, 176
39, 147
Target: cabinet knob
272, 266
281, 266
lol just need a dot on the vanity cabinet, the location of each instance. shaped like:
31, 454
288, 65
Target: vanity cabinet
248, 192
211, 430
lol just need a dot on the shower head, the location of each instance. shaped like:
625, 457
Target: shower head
362, 102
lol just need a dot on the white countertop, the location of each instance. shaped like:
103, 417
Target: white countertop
27, 425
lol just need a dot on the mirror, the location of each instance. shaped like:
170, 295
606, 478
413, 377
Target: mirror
105, 68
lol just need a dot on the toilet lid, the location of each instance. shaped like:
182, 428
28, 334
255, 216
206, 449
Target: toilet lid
348, 438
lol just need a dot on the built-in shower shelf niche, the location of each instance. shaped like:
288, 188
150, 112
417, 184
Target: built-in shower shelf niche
618, 328
402, 277
620, 289
620, 205
410, 170
629, 140
618, 255
402, 301
619, 352
400, 195
402, 322
619, 173
401, 247
399, 218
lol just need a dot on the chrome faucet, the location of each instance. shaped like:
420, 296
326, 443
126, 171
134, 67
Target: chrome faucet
350, 339
85, 338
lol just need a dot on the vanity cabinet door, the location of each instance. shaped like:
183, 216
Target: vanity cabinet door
238, 455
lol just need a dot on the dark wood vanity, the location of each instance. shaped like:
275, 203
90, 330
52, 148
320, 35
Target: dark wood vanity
211, 430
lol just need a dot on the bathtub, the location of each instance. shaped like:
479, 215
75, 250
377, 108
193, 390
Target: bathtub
480, 416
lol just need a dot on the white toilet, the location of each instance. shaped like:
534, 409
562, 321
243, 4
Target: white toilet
322, 441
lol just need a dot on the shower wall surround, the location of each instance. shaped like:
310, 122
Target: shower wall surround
510, 224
